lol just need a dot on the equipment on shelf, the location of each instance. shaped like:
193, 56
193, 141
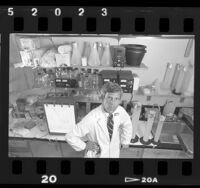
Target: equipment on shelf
124, 78
126, 81
109, 76
118, 56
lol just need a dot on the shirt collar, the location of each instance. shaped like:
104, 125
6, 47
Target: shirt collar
115, 113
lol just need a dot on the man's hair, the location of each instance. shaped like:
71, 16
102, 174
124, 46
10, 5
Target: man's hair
111, 87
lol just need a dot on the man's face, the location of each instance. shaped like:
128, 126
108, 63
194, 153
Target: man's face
111, 101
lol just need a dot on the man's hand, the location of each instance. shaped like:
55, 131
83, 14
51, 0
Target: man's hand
124, 146
93, 146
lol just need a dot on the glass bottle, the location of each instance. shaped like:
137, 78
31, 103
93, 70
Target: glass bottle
76, 73
76, 55
167, 76
180, 79
85, 81
93, 81
70, 73
80, 80
83, 78
187, 78
106, 59
97, 79
94, 56
89, 79
175, 76
67, 73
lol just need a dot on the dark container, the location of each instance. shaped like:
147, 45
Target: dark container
21, 104
134, 54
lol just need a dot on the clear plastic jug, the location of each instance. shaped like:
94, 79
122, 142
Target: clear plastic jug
76, 55
94, 56
106, 58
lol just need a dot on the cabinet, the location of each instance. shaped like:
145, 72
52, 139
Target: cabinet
163, 153
45, 148
41, 148
132, 153
19, 148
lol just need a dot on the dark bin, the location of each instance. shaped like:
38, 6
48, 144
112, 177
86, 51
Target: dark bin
134, 54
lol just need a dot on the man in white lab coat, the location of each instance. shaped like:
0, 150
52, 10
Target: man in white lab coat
107, 127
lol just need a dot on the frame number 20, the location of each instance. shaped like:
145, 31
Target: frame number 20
49, 179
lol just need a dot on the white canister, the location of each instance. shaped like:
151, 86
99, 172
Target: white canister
64, 49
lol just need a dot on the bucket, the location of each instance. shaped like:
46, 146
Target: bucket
134, 54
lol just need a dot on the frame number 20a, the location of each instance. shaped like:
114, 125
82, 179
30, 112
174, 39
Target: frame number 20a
149, 180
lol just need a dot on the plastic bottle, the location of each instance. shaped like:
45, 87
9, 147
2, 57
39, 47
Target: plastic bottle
106, 59
94, 56
76, 56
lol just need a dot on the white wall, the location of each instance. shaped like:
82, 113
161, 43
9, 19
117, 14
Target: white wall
160, 51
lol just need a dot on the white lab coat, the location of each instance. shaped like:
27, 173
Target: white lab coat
94, 125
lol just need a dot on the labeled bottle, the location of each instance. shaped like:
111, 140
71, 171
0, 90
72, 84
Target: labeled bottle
76, 55
94, 56
187, 78
106, 59
180, 80
168, 76
175, 76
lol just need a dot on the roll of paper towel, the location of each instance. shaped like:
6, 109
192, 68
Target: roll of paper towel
64, 49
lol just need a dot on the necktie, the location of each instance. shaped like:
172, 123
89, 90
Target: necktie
110, 125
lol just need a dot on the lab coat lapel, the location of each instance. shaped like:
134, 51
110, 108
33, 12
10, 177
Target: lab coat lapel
103, 126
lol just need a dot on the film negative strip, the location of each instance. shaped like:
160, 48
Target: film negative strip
65, 69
